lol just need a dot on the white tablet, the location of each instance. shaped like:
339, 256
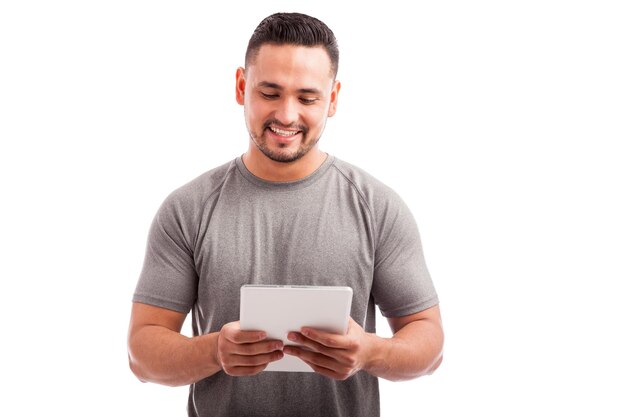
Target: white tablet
280, 309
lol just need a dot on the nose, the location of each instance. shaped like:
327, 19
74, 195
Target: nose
287, 112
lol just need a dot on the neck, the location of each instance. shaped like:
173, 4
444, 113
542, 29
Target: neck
263, 167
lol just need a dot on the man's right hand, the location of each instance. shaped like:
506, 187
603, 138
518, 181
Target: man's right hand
241, 353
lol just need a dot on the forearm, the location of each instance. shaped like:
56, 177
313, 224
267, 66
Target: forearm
413, 351
163, 356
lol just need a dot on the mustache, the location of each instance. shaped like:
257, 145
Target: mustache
292, 126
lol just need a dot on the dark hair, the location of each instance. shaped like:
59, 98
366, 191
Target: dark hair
293, 29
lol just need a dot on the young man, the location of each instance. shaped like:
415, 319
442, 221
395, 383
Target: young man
283, 213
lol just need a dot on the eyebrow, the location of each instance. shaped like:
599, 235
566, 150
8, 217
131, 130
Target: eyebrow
267, 84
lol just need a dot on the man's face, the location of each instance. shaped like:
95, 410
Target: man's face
287, 92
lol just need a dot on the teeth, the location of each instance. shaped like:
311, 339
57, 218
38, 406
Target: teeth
283, 132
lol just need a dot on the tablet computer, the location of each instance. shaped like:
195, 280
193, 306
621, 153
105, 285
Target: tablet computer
280, 309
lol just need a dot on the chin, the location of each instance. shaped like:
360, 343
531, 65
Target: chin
283, 158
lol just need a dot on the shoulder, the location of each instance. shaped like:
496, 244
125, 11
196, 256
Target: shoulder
374, 192
389, 213
191, 197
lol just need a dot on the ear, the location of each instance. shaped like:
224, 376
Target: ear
334, 98
240, 85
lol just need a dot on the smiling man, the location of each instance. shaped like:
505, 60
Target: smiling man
288, 93
283, 213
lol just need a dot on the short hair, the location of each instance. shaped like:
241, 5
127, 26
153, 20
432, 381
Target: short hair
293, 29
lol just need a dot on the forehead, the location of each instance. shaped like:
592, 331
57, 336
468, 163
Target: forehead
290, 65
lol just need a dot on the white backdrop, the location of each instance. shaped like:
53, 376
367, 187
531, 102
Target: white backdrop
500, 123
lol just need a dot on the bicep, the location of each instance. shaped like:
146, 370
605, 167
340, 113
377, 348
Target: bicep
143, 315
431, 314
153, 336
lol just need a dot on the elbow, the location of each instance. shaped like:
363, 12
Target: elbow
133, 361
429, 370
423, 371
145, 374
136, 364
435, 365
136, 369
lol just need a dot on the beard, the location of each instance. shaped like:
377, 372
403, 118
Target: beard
282, 154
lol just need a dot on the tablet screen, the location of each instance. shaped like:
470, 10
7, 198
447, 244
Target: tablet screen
280, 309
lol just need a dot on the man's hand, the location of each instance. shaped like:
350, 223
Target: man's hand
335, 356
242, 353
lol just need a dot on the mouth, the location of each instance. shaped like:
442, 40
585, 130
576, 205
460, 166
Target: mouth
283, 132
284, 136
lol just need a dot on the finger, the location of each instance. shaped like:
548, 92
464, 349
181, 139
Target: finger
340, 358
251, 370
250, 349
330, 340
313, 357
235, 335
320, 363
309, 343
330, 373
253, 361
244, 370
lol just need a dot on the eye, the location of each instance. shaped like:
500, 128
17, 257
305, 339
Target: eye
305, 100
269, 96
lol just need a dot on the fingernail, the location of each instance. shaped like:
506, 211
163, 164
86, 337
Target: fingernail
291, 336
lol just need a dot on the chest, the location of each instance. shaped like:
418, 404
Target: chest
301, 239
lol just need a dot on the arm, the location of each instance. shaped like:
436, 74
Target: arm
157, 352
414, 350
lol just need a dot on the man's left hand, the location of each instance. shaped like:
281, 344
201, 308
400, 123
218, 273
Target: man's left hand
332, 355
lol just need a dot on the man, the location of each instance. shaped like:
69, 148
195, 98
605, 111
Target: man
283, 213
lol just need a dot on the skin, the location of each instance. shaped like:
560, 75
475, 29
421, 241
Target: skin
290, 88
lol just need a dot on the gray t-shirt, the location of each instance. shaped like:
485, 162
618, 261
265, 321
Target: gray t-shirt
338, 226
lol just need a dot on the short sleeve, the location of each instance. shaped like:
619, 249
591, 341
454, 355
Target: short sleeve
168, 278
402, 284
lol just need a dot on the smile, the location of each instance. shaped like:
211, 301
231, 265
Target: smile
285, 133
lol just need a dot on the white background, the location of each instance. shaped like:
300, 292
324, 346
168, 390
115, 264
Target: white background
500, 123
